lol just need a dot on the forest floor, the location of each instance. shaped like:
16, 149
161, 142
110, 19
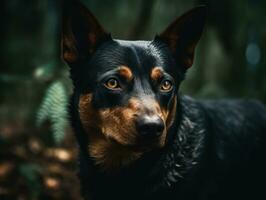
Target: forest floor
32, 168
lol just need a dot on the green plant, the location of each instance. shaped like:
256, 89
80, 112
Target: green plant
54, 109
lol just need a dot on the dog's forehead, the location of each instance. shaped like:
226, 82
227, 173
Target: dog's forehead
139, 56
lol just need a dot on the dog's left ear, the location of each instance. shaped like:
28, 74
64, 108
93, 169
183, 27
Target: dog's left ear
183, 35
81, 33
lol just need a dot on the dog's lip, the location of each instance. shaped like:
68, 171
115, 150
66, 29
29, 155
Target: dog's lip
144, 146
140, 145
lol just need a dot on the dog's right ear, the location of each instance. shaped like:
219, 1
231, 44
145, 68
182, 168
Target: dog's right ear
183, 35
81, 33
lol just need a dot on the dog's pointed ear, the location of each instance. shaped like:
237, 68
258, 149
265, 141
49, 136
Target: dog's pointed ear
183, 35
81, 32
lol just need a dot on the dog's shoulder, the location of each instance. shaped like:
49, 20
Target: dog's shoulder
236, 126
235, 117
230, 126
238, 109
229, 140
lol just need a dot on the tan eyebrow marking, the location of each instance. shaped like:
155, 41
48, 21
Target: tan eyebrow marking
156, 73
125, 72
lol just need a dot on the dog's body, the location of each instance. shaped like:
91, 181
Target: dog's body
138, 137
216, 151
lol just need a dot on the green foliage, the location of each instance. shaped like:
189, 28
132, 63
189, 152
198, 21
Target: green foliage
54, 109
31, 174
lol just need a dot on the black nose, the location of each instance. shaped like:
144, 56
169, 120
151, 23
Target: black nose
150, 126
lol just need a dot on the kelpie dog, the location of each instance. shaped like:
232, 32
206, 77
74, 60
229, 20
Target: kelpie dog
138, 137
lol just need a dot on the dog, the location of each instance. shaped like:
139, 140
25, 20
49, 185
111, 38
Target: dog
138, 137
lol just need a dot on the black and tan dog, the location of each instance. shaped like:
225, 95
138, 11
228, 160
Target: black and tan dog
138, 137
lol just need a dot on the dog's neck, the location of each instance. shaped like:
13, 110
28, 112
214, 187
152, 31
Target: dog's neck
110, 156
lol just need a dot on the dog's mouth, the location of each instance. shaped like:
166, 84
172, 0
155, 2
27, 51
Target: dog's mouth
140, 145
112, 151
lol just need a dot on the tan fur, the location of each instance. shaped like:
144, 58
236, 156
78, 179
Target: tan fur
111, 133
125, 72
169, 116
110, 155
113, 140
156, 73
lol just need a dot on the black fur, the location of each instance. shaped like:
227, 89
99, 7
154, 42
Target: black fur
215, 149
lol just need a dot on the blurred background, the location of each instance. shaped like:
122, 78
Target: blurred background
37, 147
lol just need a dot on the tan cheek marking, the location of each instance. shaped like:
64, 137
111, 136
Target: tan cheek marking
119, 125
139, 106
110, 128
115, 123
125, 72
156, 73
118, 128
101, 125
134, 104
112, 156
165, 113
156, 107
170, 115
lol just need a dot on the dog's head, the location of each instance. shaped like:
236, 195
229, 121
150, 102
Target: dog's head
127, 89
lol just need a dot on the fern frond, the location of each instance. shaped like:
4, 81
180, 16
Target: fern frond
54, 109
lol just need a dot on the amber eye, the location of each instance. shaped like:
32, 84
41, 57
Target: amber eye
112, 84
166, 86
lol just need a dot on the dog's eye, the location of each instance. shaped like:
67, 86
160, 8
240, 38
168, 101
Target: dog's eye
112, 84
166, 86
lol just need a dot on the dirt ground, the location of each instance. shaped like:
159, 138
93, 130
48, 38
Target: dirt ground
33, 168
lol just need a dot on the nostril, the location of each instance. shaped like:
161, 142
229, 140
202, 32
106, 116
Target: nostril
159, 126
150, 127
